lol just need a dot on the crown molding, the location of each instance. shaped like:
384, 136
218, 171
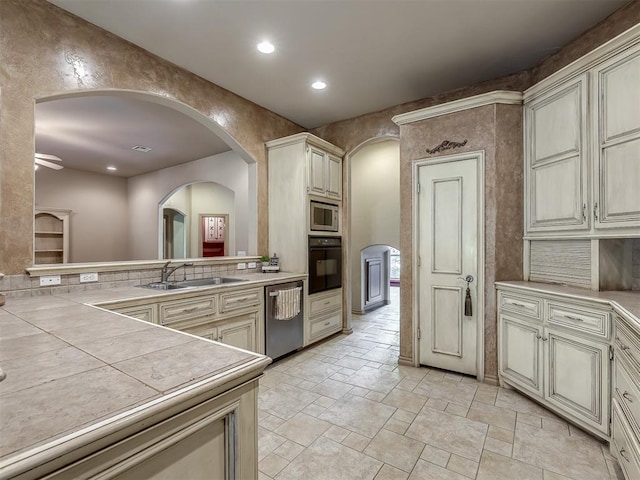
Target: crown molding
308, 138
506, 97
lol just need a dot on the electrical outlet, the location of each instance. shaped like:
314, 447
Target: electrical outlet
242, 266
50, 280
252, 265
89, 277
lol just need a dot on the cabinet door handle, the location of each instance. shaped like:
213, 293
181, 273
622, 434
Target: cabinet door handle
538, 336
518, 305
191, 309
544, 339
327, 302
584, 211
623, 347
623, 454
627, 396
326, 324
577, 319
595, 211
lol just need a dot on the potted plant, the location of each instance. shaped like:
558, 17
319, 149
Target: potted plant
266, 260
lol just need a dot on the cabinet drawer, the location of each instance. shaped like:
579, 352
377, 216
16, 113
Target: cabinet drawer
238, 300
324, 303
142, 312
579, 318
627, 345
624, 446
327, 324
627, 393
185, 309
521, 304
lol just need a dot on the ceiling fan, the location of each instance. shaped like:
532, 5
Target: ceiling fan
42, 159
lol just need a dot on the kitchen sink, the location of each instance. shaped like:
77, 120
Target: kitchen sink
163, 286
199, 282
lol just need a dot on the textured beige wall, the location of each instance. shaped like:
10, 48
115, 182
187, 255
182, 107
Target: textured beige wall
45, 51
99, 211
496, 130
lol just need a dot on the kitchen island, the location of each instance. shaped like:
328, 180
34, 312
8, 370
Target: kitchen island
92, 392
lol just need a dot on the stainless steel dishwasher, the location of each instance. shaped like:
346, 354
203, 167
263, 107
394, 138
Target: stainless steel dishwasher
283, 335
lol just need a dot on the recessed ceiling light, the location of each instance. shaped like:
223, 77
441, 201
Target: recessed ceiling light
111, 168
141, 148
266, 47
319, 85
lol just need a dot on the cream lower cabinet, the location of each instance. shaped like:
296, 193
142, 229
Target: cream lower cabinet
148, 312
212, 440
625, 441
239, 332
559, 356
324, 316
233, 317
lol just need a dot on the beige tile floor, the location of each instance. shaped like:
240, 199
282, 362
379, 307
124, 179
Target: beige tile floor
345, 410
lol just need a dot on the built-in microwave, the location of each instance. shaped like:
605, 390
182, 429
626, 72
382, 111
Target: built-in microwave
324, 217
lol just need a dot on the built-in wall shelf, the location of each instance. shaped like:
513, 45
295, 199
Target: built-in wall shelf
51, 236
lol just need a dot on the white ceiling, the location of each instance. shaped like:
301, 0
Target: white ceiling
373, 54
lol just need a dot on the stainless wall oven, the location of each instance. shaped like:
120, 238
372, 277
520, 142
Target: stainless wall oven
325, 263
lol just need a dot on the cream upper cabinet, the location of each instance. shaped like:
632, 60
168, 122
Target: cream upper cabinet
316, 159
617, 147
325, 173
556, 166
582, 146
334, 177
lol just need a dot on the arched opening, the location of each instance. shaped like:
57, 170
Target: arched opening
173, 233
374, 199
95, 129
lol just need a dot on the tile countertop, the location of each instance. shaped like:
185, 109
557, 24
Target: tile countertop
625, 302
73, 369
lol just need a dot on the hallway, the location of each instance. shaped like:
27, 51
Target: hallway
344, 409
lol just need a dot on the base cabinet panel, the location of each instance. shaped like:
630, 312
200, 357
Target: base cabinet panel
239, 332
521, 353
577, 379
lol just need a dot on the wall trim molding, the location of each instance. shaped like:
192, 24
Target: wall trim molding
406, 361
306, 137
506, 97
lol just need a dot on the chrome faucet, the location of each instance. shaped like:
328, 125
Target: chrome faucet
167, 271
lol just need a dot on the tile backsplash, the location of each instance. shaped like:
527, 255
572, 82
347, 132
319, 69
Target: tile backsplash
26, 286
